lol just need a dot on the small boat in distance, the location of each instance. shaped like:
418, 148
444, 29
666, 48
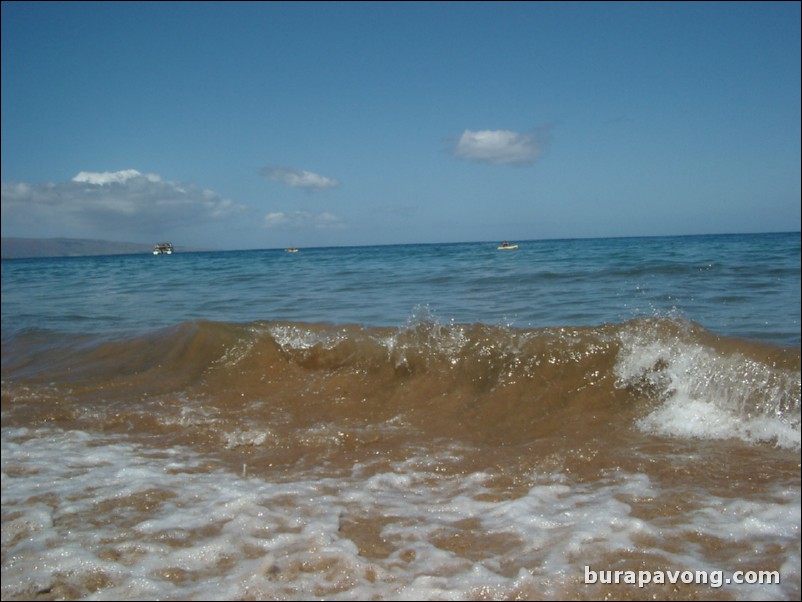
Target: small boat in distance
163, 248
506, 246
292, 250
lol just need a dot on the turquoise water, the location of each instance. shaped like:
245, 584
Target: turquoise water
735, 285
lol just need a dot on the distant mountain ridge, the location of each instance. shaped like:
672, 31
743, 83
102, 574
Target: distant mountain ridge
20, 248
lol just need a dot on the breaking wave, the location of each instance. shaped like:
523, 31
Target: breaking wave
666, 377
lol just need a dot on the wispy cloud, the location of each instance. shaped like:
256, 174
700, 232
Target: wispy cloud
303, 220
298, 178
110, 203
113, 177
501, 146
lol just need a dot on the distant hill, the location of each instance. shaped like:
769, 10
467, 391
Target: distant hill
18, 248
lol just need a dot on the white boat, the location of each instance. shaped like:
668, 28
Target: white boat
163, 248
505, 246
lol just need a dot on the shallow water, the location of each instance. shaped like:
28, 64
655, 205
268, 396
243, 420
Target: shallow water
423, 422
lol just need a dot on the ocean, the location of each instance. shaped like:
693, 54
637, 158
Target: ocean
572, 419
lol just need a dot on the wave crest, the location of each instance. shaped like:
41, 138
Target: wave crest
666, 377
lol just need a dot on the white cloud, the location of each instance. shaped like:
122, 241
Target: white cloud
500, 146
303, 220
112, 177
298, 178
109, 205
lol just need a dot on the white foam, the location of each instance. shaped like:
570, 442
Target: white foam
248, 438
684, 417
710, 396
107, 519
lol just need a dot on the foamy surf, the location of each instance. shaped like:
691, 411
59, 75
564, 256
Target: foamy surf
92, 517
709, 392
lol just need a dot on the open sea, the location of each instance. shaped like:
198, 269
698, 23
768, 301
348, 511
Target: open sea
574, 419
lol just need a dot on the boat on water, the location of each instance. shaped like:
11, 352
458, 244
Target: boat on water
506, 246
163, 248
292, 250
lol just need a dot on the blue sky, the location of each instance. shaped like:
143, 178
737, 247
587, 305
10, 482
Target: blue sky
265, 125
